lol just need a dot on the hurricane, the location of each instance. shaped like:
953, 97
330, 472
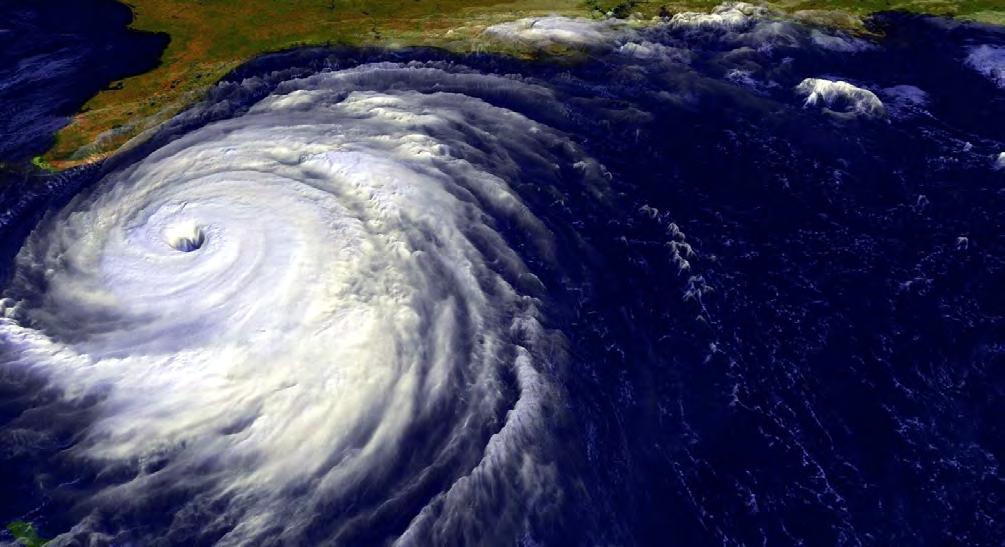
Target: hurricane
278, 301
420, 298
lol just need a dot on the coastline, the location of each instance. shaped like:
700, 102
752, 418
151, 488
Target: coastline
210, 40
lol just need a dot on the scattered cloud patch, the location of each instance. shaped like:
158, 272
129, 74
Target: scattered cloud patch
840, 97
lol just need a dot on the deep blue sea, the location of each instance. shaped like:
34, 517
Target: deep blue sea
781, 322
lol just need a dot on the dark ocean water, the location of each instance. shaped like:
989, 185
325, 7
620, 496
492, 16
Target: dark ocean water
783, 325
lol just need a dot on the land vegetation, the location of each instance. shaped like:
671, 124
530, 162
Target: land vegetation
209, 38
24, 534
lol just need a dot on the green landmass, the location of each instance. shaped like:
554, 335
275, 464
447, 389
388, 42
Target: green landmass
40, 163
24, 534
209, 38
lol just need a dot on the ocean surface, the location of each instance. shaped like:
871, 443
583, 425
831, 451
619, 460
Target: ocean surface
726, 279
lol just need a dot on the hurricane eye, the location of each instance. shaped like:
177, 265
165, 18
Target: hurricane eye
186, 239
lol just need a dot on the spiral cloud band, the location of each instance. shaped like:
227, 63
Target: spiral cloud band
270, 305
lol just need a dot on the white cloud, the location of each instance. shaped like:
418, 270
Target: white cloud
557, 31
989, 61
840, 97
726, 16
